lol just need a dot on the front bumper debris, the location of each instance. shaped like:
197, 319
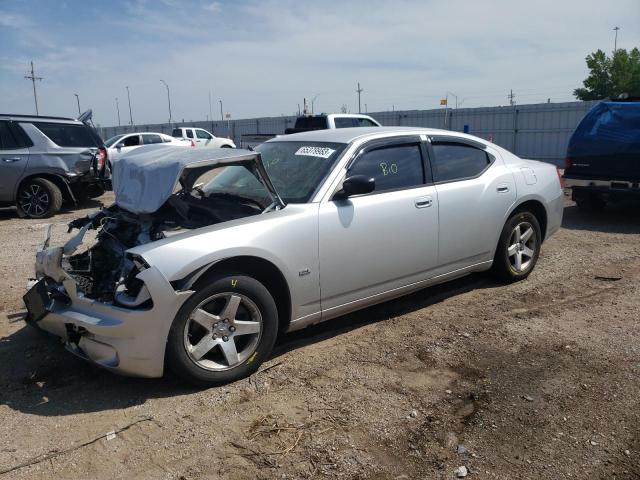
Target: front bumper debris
129, 341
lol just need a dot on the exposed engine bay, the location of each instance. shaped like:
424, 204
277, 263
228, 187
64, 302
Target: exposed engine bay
104, 269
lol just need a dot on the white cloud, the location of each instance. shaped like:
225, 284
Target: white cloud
214, 7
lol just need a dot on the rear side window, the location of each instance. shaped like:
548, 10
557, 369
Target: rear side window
69, 135
393, 167
12, 137
453, 161
150, 139
365, 122
312, 123
189, 133
177, 132
342, 122
202, 134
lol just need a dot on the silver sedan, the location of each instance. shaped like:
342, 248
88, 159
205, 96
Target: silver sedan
206, 255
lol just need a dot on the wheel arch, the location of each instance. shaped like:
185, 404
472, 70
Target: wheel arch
263, 271
537, 208
57, 180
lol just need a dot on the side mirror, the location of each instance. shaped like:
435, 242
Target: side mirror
356, 185
120, 145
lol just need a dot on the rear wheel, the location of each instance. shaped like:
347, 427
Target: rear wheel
223, 332
38, 198
518, 248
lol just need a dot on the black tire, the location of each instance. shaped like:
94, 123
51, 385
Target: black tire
226, 146
38, 198
178, 358
591, 203
504, 266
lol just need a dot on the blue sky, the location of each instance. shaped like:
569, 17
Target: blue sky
262, 57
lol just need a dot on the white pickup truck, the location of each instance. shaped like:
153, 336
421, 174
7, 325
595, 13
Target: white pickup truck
199, 137
306, 123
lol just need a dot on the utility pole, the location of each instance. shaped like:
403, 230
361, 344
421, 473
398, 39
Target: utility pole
221, 114
366, 109
130, 114
298, 109
78, 100
313, 101
615, 41
453, 95
118, 110
359, 91
33, 79
168, 99
511, 98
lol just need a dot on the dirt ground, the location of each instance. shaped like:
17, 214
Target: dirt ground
535, 380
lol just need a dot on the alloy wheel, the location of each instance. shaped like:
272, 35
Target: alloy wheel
34, 200
223, 331
521, 246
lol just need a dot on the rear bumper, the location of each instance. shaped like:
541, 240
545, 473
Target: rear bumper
126, 341
603, 186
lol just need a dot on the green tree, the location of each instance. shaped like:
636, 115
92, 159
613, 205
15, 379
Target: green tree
610, 76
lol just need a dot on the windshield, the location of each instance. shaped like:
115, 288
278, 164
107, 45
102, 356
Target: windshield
296, 170
112, 140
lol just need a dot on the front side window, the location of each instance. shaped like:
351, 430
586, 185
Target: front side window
202, 134
69, 134
454, 161
132, 141
393, 167
296, 170
151, 139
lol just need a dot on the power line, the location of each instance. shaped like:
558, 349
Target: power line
33, 79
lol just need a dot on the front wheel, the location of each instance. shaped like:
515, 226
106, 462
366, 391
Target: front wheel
223, 332
518, 248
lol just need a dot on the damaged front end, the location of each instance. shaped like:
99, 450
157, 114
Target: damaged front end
107, 303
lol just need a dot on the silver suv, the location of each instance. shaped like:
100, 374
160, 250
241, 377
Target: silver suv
45, 160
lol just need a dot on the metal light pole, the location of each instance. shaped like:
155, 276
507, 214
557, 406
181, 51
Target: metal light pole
210, 112
313, 101
168, 99
454, 95
130, 114
118, 110
615, 41
78, 100
221, 114
359, 91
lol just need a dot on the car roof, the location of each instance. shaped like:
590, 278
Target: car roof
37, 118
348, 135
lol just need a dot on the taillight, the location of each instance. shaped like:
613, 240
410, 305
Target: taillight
568, 162
560, 178
102, 158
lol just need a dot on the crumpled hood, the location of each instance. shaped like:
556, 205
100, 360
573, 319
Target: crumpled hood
146, 178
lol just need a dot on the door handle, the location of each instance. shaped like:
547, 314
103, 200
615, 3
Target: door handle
503, 189
423, 202
10, 159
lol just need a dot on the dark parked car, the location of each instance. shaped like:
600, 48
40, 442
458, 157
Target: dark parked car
603, 157
45, 160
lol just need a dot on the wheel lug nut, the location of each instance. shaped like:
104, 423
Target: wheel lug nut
226, 320
232, 329
225, 338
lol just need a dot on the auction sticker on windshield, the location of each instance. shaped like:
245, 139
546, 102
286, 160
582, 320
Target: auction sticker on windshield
322, 152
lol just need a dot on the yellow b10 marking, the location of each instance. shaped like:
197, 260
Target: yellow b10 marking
386, 169
234, 283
